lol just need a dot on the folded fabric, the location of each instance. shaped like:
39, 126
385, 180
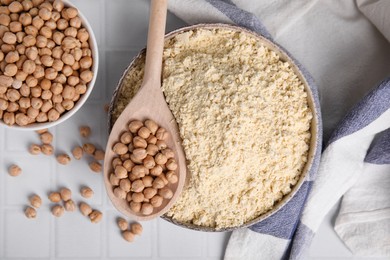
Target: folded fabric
344, 71
377, 11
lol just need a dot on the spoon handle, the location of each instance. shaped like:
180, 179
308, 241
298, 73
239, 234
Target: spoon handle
155, 44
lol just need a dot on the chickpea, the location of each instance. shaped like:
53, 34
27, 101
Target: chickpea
36, 103
135, 125
41, 41
10, 70
161, 134
30, 212
1, 56
136, 228
55, 197
68, 59
62, 24
32, 82
152, 149
46, 32
20, 48
31, 32
146, 208
120, 172
21, 76
25, 19
171, 164
63, 159
15, 27
57, 65
45, 14
139, 142
12, 107
156, 170
149, 192
122, 224
9, 118
37, 22
114, 180
119, 193
161, 145
156, 201
41, 117
73, 81
89, 148
32, 53
99, 155
95, 216
47, 105
44, 51
137, 186
67, 71
135, 206
95, 167
66, 194
125, 184
77, 152
55, 16
46, 138
53, 115
70, 205
71, 31
128, 236
34, 149
32, 112
13, 95
126, 138
86, 192
139, 153
86, 62
3, 104
15, 7
58, 5
50, 73
7, 47
69, 43
57, 210
4, 10
128, 164
149, 162
29, 66
9, 38
83, 35
60, 79
21, 119
12, 57
71, 12
14, 170
86, 52
75, 22
139, 171
120, 148
5, 19
35, 201
137, 197
85, 208
47, 149
57, 99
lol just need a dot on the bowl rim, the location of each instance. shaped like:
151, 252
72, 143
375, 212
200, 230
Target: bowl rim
95, 67
314, 128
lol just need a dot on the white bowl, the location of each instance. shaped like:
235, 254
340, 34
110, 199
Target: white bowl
90, 85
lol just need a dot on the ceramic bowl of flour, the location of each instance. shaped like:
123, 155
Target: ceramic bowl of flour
247, 118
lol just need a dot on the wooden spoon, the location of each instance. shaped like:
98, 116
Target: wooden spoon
149, 103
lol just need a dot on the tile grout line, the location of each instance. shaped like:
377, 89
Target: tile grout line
2, 200
103, 230
54, 170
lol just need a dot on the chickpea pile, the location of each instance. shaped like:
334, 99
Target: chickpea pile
144, 167
45, 60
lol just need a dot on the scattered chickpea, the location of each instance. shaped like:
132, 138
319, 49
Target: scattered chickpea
77, 152
47, 149
55, 197
86, 192
30, 212
85, 208
66, 194
63, 159
95, 166
35, 201
95, 216
122, 224
136, 228
35, 149
70, 205
57, 210
46, 138
14, 170
89, 148
128, 236
99, 155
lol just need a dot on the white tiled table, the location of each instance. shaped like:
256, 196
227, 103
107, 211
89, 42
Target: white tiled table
120, 27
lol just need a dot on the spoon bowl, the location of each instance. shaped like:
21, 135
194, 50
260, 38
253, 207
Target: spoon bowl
149, 103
